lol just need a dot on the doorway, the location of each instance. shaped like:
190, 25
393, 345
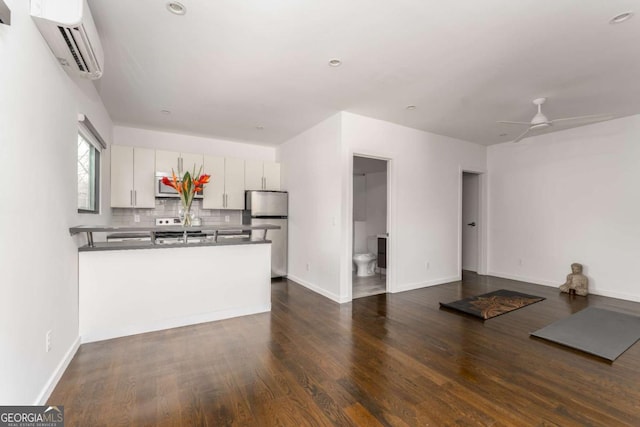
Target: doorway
369, 236
470, 221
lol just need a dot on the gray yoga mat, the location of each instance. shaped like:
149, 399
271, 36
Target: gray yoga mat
600, 332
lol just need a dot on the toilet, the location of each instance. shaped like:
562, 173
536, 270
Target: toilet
364, 260
365, 264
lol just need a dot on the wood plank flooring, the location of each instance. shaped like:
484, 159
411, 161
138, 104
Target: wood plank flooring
367, 286
384, 360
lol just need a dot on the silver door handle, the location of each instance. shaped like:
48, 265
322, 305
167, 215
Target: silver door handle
226, 200
135, 197
223, 199
131, 197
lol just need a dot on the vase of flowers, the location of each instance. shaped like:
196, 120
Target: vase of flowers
187, 187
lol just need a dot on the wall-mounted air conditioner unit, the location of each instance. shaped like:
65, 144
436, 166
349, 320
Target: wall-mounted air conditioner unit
68, 28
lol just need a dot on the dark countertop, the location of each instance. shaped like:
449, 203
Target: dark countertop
133, 244
154, 228
149, 231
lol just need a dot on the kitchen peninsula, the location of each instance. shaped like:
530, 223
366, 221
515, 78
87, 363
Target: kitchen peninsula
132, 287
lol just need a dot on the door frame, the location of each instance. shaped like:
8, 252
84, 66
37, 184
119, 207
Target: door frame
482, 219
348, 256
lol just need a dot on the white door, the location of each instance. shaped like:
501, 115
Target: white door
214, 190
144, 181
190, 161
272, 176
234, 183
253, 174
470, 201
166, 161
121, 176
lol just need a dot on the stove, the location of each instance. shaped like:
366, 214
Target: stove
176, 236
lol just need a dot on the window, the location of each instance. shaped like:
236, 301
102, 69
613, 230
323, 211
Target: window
88, 172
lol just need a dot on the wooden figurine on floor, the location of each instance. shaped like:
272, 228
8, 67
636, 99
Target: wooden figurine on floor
577, 283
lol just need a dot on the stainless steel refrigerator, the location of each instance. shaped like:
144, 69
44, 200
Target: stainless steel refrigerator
270, 207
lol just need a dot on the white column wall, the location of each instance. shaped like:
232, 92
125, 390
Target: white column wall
312, 174
38, 258
568, 196
424, 197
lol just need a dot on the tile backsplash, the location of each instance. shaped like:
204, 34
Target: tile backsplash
168, 208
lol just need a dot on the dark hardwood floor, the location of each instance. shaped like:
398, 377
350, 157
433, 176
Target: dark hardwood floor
390, 359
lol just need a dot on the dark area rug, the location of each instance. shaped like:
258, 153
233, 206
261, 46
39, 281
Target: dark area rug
492, 304
596, 331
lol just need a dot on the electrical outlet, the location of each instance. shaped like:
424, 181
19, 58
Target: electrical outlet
227, 218
308, 266
47, 340
136, 218
520, 262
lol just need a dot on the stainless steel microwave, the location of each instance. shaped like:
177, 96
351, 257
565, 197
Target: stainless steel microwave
163, 190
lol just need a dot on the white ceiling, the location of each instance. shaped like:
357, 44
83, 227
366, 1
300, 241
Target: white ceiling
229, 66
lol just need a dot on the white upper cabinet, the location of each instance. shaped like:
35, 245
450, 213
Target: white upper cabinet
259, 175
214, 190
132, 177
234, 183
272, 176
190, 161
167, 161
226, 187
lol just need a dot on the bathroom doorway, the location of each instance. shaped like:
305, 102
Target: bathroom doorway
369, 237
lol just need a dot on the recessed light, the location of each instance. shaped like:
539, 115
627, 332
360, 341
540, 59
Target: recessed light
411, 107
619, 19
260, 127
176, 8
335, 63
165, 111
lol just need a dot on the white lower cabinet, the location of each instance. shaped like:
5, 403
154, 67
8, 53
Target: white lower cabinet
225, 189
132, 177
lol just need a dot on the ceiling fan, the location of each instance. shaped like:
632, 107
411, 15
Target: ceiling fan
540, 121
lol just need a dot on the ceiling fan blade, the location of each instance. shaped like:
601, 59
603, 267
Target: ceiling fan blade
522, 135
592, 117
514, 123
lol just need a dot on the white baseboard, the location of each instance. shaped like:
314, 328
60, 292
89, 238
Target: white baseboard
594, 291
57, 374
318, 290
173, 323
412, 286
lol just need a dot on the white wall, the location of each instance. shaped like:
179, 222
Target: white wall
38, 258
569, 196
424, 197
190, 144
311, 172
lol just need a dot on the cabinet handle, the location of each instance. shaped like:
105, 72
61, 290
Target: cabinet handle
131, 197
135, 197
223, 200
264, 183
